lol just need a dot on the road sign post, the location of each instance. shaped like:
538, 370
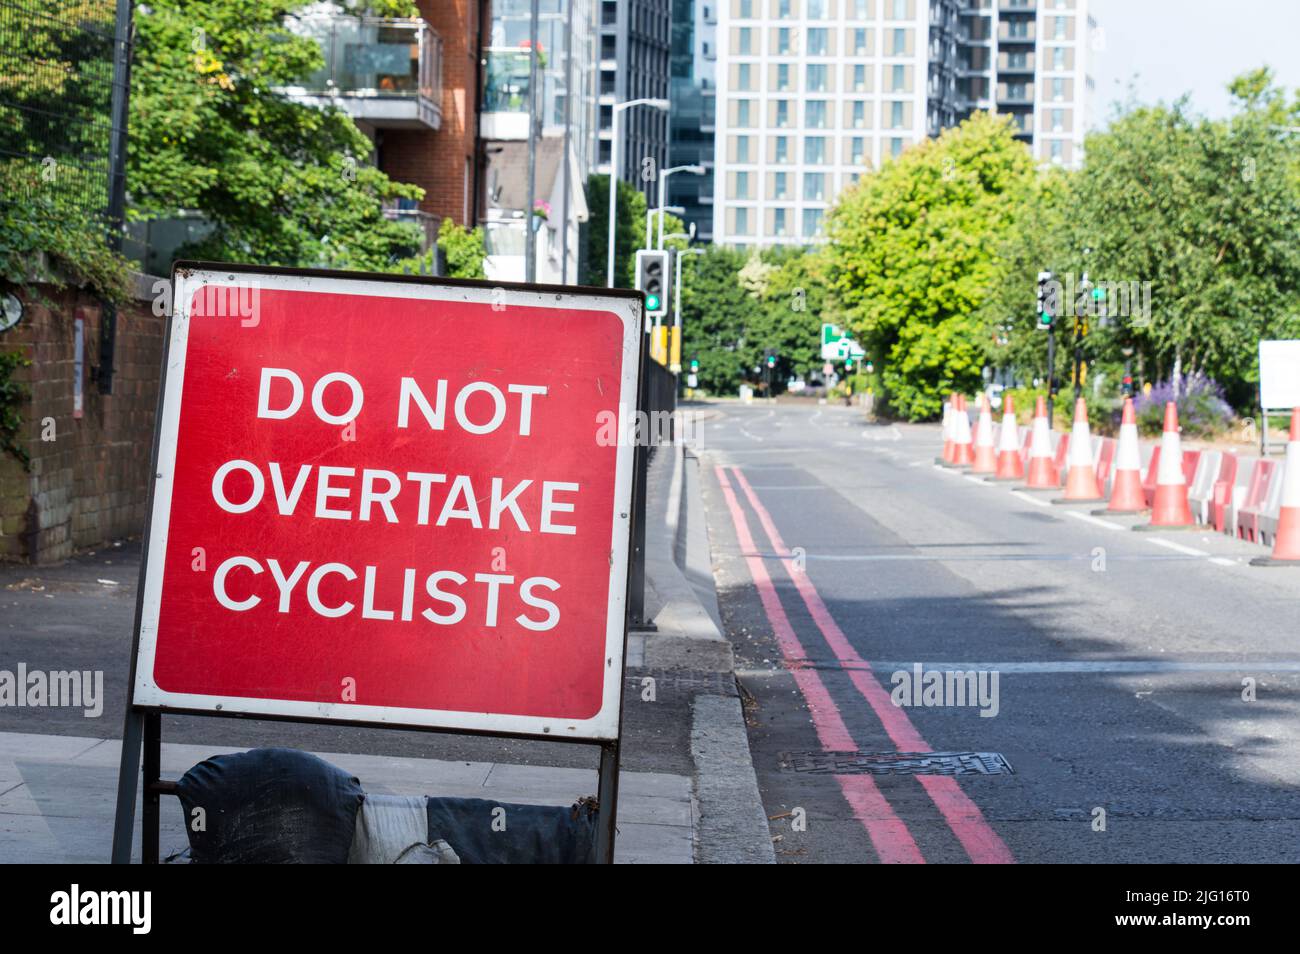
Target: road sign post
367, 511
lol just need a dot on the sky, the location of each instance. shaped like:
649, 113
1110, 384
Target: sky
1196, 46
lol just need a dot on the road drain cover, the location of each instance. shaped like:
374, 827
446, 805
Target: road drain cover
896, 763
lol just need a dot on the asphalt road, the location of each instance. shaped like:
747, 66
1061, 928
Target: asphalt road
843, 556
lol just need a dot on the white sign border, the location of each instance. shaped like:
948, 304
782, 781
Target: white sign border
604, 726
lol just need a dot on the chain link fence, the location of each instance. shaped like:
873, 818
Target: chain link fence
57, 108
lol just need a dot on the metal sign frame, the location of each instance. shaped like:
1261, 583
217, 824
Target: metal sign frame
1278, 390
142, 728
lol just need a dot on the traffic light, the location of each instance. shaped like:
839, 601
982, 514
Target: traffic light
695, 365
1047, 304
652, 280
848, 365
771, 359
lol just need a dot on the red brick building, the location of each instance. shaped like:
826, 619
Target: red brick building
446, 162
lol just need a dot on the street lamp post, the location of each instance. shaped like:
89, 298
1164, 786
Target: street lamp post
613, 173
649, 218
663, 181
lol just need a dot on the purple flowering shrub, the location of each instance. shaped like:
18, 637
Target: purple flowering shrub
1202, 409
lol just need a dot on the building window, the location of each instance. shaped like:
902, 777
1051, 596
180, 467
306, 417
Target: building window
817, 73
1058, 58
816, 9
779, 188
897, 78
857, 151
896, 115
783, 76
1018, 29
898, 9
783, 9
1058, 150
746, 9
814, 186
1058, 120
859, 114
819, 43
814, 150
900, 43
778, 221
1058, 89
742, 185
781, 149
783, 41
744, 43
742, 221
860, 11
744, 76
814, 114
860, 41
742, 113
742, 148
782, 120
895, 147
1059, 28
812, 222
860, 78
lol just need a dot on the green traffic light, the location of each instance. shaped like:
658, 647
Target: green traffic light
652, 302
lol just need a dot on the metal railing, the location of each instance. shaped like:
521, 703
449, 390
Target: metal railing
405, 210
506, 80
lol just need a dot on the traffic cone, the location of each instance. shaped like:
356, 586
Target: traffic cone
986, 460
962, 454
1286, 541
1010, 466
1126, 495
1042, 466
1169, 509
1081, 484
948, 418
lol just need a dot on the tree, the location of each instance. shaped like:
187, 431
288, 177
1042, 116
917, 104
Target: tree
793, 303
281, 182
464, 249
913, 254
629, 231
1202, 213
716, 312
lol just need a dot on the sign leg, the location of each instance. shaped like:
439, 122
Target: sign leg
150, 818
607, 795
124, 821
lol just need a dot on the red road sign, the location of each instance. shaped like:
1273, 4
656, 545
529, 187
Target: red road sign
394, 502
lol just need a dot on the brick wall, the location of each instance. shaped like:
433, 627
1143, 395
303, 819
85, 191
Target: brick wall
89, 476
436, 161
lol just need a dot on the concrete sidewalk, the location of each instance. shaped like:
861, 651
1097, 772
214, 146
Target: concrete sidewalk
688, 792
57, 795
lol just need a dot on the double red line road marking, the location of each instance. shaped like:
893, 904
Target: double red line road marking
889, 834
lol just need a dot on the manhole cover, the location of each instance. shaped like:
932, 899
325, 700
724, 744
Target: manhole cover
896, 763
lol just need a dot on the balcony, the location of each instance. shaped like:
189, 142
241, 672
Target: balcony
407, 210
1022, 31
384, 73
504, 114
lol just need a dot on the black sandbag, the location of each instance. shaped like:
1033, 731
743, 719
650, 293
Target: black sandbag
270, 806
534, 834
